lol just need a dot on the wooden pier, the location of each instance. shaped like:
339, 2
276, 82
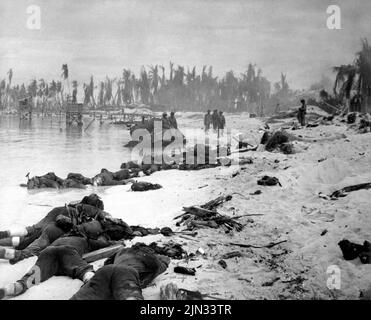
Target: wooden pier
25, 109
74, 113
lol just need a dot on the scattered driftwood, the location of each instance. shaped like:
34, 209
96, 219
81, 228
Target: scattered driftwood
270, 245
344, 191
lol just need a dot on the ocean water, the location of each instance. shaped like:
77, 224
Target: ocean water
47, 145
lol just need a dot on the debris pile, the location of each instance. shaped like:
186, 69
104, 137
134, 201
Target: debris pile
206, 216
279, 140
352, 251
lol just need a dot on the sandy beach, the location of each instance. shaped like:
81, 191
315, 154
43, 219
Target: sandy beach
312, 226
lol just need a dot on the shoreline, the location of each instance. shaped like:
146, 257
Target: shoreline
294, 213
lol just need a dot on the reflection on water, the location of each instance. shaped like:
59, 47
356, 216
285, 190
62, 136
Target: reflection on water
44, 145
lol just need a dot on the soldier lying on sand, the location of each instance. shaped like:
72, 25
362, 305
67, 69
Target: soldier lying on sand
108, 178
50, 180
89, 207
124, 275
64, 256
52, 232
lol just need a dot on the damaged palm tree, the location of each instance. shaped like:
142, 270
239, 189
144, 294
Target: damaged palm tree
207, 216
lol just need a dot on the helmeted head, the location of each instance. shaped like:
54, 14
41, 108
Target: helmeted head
33, 183
64, 223
172, 113
93, 200
302, 101
164, 115
116, 229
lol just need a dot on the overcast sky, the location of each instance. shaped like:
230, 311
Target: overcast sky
97, 37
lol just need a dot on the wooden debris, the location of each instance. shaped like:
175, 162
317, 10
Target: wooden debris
270, 245
216, 202
167, 232
206, 216
101, 253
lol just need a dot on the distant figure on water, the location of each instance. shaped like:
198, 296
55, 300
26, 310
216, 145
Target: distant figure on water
207, 120
74, 95
172, 120
165, 121
302, 111
215, 119
221, 123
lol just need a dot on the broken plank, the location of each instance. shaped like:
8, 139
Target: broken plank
101, 253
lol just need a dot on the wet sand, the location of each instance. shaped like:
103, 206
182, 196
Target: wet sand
294, 212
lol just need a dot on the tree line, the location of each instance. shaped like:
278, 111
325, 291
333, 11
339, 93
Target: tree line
180, 88
173, 88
